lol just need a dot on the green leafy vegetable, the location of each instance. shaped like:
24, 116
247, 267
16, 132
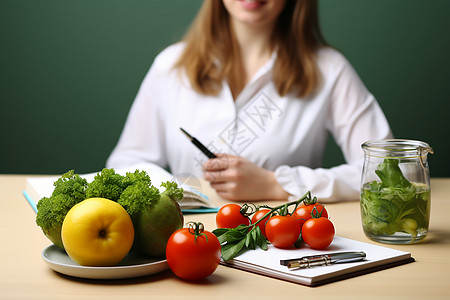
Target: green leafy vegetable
172, 191
390, 174
107, 184
138, 197
70, 189
394, 204
71, 185
135, 177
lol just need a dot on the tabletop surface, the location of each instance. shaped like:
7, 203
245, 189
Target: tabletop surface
24, 274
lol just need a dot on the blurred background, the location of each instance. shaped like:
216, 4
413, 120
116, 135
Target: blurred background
69, 71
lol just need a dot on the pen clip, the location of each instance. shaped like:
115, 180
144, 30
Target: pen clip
345, 257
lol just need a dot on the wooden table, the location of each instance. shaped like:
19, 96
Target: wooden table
24, 275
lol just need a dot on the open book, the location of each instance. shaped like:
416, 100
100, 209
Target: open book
193, 200
267, 263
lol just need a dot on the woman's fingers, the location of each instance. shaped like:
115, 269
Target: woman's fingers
236, 178
214, 169
216, 164
213, 176
225, 190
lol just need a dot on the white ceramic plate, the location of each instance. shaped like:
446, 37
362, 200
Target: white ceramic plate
134, 265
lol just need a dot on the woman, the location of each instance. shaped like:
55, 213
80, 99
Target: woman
256, 83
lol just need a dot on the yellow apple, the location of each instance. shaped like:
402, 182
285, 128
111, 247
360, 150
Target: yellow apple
97, 232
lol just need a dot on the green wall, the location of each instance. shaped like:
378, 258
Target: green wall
69, 71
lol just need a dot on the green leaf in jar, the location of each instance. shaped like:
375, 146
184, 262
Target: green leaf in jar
394, 204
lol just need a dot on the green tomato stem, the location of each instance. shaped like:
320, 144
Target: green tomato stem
196, 229
283, 207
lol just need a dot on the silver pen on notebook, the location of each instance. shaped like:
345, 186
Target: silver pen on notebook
323, 259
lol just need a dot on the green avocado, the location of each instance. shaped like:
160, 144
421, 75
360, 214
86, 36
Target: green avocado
155, 225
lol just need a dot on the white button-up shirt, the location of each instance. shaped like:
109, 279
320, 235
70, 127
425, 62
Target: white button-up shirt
287, 135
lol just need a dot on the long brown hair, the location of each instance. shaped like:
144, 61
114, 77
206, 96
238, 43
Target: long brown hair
211, 54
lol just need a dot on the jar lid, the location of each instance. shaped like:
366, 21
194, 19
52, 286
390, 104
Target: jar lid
396, 148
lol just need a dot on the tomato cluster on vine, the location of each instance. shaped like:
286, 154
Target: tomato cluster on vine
307, 222
194, 253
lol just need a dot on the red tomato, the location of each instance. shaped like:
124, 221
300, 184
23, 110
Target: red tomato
318, 233
282, 231
300, 223
229, 216
191, 257
303, 212
262, 225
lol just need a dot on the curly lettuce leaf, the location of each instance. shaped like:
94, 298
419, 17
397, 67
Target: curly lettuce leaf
172, 191
106, 184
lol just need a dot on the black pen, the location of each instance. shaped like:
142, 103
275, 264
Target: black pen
199, 145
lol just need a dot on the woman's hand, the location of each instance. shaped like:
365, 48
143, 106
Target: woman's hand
235, 178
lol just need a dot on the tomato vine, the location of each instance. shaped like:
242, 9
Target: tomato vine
249, 237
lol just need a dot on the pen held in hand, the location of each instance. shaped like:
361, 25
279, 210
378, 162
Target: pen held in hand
199, 145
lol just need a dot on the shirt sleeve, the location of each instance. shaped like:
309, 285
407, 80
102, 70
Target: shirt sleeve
142, 139
353, 117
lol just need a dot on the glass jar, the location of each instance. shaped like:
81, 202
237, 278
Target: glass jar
395, 191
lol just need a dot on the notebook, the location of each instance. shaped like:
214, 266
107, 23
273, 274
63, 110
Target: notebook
267, 262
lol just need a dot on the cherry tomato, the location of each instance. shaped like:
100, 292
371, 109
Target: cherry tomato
282, 231
262, 225
193, 253
229, 216
318, 233
303, 212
